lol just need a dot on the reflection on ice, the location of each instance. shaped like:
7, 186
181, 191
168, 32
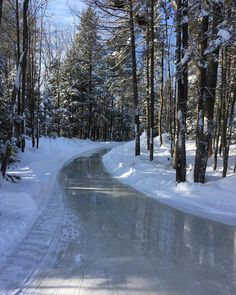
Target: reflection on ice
130, 244
97, 189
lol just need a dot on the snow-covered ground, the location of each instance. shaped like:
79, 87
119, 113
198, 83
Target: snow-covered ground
214, 200
21, 203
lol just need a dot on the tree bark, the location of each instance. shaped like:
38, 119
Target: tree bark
230, 108
5, 159
211, 81
219, 112
229, 135
201, 150
135, 83
18, 60
161, 91
152, 94
182, 91
170, 94
24, 69
90, 94
148, 85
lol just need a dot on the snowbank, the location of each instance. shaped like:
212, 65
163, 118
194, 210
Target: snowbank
215, 200
21, 203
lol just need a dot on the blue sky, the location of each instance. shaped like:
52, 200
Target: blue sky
59, 12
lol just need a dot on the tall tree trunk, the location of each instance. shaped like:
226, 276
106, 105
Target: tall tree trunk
39, 79
152, 37
111, 120
135, 83
24, 69
182, 91
32, 82
229, 107
219, 112
148, 84
170, 94
229, 132
201, 150
18, 60
211, 81
161, 91
90, 95
218, 129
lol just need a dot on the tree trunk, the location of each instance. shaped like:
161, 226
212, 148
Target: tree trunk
182, 92
39, 80
15, 91
24, 70
219, 112
161, 91
18, 60
152, 37
229, 135
6, 158
211, 81
218, 129
201, 150
148, 85
230, 108
37, 131
90, 95
170, 94
111, 120
135, 84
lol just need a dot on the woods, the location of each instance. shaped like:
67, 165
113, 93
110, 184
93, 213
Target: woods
159, 67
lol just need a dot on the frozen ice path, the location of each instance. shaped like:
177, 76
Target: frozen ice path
114, 240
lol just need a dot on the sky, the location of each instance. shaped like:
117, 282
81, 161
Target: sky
59, 14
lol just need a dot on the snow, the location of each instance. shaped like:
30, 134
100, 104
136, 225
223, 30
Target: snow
223, 37
224, 34
214, 200
185, 58
21, 203
18, 74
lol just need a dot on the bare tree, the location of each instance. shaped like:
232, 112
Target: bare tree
201, 150
24, 69
135, 83
182, 87
211, 80
152, 49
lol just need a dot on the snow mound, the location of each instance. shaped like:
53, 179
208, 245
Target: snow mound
214, 200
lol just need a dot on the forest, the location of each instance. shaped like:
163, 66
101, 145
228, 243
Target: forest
154, 66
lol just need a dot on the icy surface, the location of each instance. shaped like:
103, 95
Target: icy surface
22, 203
214, 200
117, 241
